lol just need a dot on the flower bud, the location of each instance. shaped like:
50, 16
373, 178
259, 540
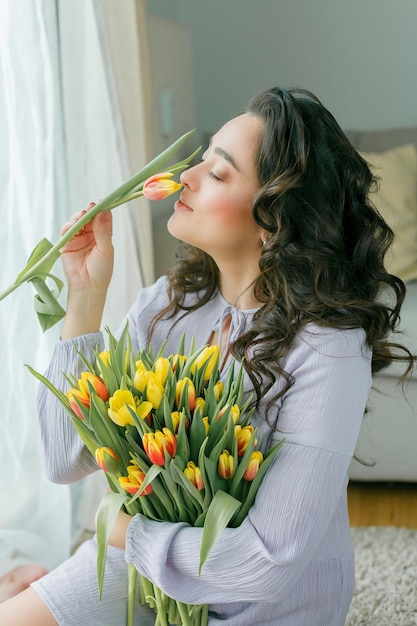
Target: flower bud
209, 357
154, 391
191, 392
193, 473
243, 436
160, 186
96, 382
226, 464
108, 460
256, 459
218, 389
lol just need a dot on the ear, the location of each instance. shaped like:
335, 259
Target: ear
265, 236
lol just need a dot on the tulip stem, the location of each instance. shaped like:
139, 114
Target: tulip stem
124, 193
131, 592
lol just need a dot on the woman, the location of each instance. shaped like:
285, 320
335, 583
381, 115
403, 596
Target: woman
282, 263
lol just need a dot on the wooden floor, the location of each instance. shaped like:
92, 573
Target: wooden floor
383, 504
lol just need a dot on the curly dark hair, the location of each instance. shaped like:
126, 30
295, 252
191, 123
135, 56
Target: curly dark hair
324, 259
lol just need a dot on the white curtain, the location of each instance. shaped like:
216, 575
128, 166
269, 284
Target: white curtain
67, 139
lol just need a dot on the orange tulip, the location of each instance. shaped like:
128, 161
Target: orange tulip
256, 459
160, 186
96, 382
82, 394
156, 443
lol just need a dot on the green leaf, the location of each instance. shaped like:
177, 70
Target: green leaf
183, 446
197, 435
40, 250
46, 304
220, 512
107, 514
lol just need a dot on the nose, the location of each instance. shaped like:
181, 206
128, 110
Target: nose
188, 177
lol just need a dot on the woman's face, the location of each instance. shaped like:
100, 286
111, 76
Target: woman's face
214, 209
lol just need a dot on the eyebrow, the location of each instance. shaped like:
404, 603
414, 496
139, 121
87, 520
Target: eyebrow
228, 157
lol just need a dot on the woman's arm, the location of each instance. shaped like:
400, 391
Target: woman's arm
88, 264
300, 503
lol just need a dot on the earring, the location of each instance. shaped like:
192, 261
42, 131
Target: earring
264, 242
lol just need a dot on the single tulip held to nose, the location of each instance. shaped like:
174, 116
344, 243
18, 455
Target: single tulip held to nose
159, 186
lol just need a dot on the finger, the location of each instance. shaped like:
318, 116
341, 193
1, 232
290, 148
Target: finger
102, 226
74, 219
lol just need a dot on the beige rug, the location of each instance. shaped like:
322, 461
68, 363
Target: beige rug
386, 577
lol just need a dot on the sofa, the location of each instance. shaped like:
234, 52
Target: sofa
387, 445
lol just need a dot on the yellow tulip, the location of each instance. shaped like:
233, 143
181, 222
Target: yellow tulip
226, 464
118, 407
208, 356
161, 368
191, 393
218, 389
193, 473
154, 391
200, 403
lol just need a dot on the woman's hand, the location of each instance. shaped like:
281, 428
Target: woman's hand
88, 265
117, 536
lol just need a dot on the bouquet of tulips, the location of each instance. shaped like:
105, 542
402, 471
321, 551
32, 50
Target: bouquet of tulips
175, 443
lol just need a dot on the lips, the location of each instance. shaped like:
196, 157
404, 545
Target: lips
181, 205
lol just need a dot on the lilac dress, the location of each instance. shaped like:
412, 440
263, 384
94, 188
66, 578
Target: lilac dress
291, 561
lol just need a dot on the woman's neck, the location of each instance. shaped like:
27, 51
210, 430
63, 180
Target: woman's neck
238, 291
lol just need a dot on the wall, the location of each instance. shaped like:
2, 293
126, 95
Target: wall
358, 56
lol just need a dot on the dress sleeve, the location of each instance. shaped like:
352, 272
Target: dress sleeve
64, 456
296, 513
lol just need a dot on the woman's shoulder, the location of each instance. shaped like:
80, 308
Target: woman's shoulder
330, 341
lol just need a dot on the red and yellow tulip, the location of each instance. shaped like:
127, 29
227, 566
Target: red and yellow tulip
243, 436
108, 460
155, 444
256, 459
134, 480
82, 394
